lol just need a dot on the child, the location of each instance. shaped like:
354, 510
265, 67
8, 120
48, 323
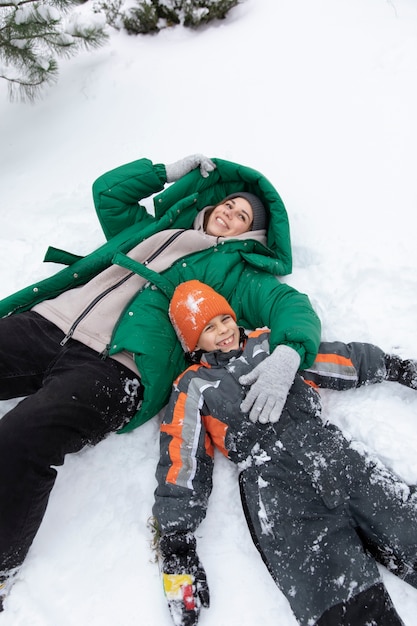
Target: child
321, 510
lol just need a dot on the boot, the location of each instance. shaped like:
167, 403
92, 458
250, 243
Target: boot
6, 581
372, 606
2, 593
400, 371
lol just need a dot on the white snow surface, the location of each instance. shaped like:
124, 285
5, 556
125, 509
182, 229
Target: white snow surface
321, 97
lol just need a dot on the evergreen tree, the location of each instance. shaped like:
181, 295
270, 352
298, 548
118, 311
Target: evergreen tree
32, 35
150, 16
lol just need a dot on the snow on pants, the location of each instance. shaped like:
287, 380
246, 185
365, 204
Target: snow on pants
73, 398
321, 512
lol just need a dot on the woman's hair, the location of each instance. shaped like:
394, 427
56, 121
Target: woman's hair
209, 211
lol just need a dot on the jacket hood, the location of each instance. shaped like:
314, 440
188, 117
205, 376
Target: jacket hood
228, 177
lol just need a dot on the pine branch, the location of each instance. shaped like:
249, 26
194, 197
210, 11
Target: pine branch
62, 5
32, 35
27, 87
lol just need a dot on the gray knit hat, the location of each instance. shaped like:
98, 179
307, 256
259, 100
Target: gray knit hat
260, 216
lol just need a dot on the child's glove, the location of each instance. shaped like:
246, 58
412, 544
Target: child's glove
177, 170
184, 578
270, 383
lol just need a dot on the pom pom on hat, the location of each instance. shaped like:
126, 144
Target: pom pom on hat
192, 306
260, 215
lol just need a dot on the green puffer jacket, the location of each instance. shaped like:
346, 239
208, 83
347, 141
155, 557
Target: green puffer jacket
243, 271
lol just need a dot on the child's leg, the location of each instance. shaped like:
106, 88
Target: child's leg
400, 371
312, 550
385, 511
354, 612
343, 366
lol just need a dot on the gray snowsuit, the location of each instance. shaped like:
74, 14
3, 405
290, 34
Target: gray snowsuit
320, 508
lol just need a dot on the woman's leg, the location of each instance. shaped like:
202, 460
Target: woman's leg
81, 399
28, 345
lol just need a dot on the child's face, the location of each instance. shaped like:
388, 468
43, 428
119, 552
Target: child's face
231, 218
221, 333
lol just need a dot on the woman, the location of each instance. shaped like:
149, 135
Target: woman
92, 348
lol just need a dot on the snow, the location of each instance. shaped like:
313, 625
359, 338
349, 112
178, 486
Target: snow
321, 98
42, 13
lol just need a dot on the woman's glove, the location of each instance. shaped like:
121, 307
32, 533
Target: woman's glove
177, 170
270, 383
184, 578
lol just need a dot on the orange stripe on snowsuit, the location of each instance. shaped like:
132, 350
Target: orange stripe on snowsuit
217, 430
175, 430
333, 358
186, 430
332, 366
312, 384
258, 331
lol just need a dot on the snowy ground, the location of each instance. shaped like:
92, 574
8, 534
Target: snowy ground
319, 96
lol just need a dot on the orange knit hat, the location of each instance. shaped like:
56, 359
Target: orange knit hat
192, 306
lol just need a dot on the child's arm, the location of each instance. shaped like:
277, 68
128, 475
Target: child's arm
261, 300
185, 468
183, 577
184, 475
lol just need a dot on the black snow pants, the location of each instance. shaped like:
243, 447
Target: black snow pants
323, 511
72, 398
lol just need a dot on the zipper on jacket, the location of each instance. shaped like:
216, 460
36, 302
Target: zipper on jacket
112, 288
91, 306
163, 246
148, 260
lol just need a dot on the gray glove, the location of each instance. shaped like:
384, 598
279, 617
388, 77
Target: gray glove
178, 169
270, 383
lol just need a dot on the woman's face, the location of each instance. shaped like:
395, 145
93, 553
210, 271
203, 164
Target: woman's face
232, 217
